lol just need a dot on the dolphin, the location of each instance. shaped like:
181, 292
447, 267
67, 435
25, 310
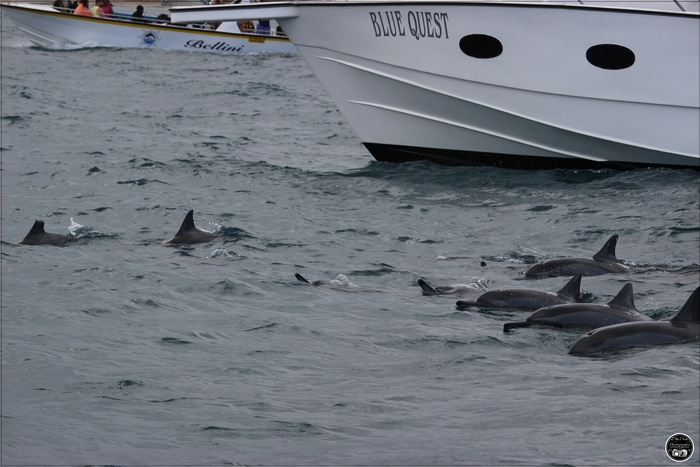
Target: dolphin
526, 300
340, 280
603, 262
683, 327
38, 236
456, 289
620, 309
189, 234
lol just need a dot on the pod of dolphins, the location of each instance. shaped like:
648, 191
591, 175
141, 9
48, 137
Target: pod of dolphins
188, 234
613, 326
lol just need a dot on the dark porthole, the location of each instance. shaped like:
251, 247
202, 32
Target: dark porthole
610, 56
481, 46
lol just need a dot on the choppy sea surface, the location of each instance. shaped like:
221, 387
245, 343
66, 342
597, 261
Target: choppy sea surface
117, 349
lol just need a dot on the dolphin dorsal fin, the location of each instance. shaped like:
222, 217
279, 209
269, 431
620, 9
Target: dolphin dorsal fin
624, 299
690, 313
301, 278
188, 223
607, 253
37, 229
427, 288
572, 289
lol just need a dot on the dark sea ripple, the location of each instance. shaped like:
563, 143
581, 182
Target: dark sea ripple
119, 350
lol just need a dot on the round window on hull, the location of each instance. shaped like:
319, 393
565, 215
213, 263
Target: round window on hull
610, 56
481, 46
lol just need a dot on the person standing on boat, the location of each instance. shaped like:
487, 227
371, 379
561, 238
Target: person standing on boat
97, 10
82, 9
58, 4
138, 14
107, 9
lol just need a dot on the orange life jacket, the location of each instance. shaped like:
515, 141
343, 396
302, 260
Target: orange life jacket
82, 10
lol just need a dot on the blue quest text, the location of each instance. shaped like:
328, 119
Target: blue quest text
419, 24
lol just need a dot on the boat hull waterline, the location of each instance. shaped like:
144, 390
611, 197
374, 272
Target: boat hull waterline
47, 27
522, 85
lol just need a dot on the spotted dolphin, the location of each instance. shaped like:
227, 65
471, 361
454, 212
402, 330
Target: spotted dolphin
38, 236
603, 262
526, 300
620, 309
683, 327
455, 289
189, 234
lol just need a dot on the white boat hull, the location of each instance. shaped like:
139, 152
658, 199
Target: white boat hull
47, 27
399, 73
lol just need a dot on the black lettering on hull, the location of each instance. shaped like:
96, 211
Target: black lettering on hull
421, 24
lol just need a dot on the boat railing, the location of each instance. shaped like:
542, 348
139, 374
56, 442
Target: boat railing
155, 21
115, 16
685, 6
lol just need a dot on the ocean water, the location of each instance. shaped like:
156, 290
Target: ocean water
117, 349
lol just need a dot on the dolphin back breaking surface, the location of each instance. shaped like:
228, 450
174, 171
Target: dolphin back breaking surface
525, 299
38, 236
620, 309
603, 262
455, 289
683, 327
189, 233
